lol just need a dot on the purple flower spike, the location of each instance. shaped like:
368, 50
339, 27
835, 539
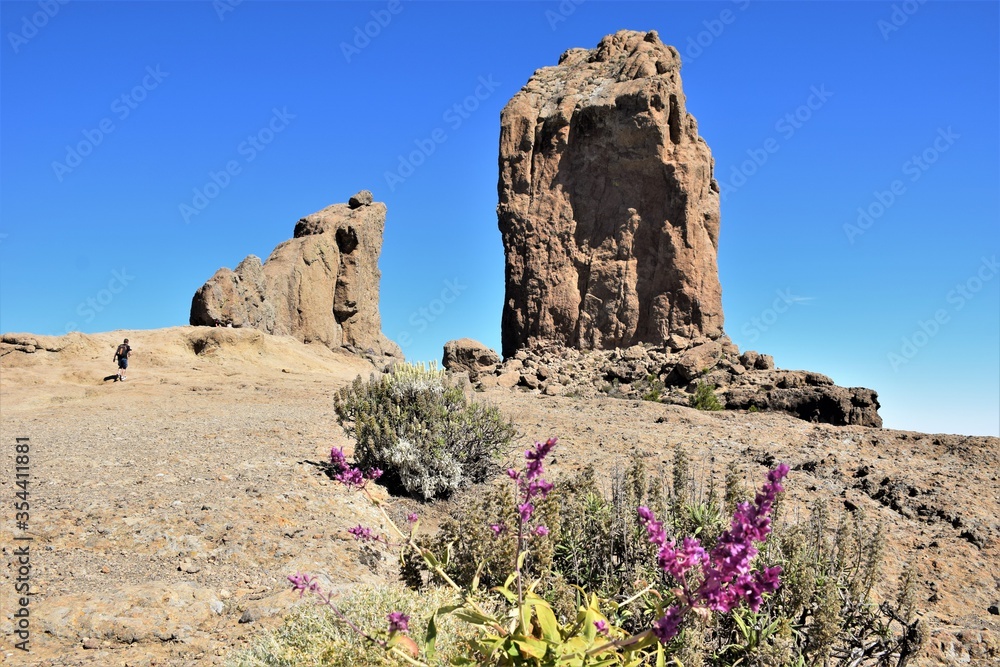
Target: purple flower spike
398, 622
728, 579
303, 582
666, 628
412, 518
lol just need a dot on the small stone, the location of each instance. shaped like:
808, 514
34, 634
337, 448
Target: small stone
249, 616
363, 198
91, 643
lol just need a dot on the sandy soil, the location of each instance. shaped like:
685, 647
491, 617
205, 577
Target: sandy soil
167, 510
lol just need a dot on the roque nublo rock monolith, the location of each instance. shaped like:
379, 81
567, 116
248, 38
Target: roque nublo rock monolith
608, 208
320, 286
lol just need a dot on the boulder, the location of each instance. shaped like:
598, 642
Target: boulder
321, 286
697, 360
609, 210
830, 404
470, 356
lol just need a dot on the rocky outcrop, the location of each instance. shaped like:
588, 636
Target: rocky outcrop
607, 205
470, 356
320, 286
747, 381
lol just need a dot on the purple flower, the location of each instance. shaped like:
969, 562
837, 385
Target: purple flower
727, 578
666, 627
513, 474
525, 510
345, 474
398, 622
498, 529
536, 456
602, 626
303, 582
412, 517
541, 531
361, 533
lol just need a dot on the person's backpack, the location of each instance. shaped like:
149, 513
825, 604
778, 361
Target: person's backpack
122, 351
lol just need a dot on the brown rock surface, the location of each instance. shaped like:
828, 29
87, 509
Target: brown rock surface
321, 286
743, 382
608, 208
469, 355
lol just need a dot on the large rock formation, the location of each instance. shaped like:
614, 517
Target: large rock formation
320, 286
608, 208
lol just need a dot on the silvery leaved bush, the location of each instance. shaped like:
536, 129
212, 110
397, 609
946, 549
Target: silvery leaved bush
422, 431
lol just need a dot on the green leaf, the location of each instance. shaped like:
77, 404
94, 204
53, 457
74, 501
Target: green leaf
531, 647
431, 639
547, 621
475, 579
506, 592
474, 617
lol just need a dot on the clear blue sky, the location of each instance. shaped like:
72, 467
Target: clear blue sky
813, 111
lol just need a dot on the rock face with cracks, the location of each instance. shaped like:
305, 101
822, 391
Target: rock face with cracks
321, 286
608, 208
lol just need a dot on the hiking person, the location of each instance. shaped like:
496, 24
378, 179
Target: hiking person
121, 356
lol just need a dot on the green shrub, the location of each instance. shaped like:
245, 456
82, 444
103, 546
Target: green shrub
704, 397
651, 388
422, 431
824, 610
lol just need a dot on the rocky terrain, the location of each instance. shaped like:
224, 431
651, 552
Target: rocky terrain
320, 286
168, 509
747, 381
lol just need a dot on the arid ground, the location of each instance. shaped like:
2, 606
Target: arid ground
167, 510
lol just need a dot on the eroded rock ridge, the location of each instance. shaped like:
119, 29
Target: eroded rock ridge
320, 286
